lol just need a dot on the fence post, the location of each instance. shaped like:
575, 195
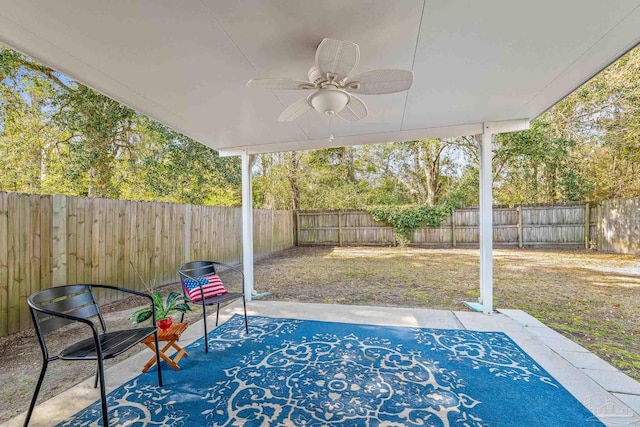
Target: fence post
59, 238
297, 228
586, 226
294, 227
519, 209
453, 228
273, 230
340, 227
598, 226
187, 233
293, 230
4, 263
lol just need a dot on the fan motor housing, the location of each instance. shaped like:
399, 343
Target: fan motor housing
315, 76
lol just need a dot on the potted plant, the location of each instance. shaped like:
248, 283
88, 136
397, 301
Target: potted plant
174, 303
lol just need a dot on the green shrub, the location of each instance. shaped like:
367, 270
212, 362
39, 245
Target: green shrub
407, 219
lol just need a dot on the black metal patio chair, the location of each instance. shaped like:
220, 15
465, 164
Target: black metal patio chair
202, 285
54, 308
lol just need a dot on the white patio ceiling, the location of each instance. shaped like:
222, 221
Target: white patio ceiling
185, 63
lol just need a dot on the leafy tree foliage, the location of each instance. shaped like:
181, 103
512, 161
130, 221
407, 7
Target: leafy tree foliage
603, 117
58, 136
537, 166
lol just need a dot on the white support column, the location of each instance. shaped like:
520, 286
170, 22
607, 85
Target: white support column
247, 225
486, 221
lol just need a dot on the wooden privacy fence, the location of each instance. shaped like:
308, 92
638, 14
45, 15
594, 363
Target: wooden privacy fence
619, 228
523, 226
52, 240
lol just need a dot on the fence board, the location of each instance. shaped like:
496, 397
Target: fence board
97, 252
34, 234
80, 237
72, 243
121, 237
24, 232
46, 241
13, 258
4, 264
109, 241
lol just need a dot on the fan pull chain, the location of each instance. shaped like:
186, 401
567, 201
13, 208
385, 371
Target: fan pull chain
331, 138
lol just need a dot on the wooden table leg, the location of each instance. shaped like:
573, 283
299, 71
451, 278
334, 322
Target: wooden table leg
180, 352
171, 362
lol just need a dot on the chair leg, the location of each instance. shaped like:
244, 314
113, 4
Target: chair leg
217, 315
95, 382
155, 337
206, 335
103, 394
246, 323
35, 394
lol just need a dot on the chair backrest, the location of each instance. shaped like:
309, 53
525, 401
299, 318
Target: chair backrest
196, 269
69, 300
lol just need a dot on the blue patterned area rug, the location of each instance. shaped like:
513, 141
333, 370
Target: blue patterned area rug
307, 373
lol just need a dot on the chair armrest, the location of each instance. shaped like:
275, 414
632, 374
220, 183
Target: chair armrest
131, 291
237, 270
230, 267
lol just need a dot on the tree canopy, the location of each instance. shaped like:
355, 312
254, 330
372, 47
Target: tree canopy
59, 136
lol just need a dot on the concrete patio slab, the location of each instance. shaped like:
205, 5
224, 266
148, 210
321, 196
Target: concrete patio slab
615, 382
584, 360
631, 400
611, 395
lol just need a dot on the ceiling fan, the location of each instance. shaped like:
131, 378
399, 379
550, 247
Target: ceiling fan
334, 91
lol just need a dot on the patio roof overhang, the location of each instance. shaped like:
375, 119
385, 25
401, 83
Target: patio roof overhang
481, 67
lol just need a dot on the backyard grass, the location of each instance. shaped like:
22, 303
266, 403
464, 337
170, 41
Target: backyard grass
590, 297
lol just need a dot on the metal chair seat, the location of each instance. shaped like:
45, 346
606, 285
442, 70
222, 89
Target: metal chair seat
221, 298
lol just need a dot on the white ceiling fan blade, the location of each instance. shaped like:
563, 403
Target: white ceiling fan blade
378, 82
279, 84
294, 111
337, 57
354, 111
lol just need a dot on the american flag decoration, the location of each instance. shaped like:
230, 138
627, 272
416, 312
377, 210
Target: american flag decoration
211, 287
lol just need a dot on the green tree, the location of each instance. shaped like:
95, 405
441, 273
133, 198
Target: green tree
535, 166
603, 117
171, 167
58, 136
28, 143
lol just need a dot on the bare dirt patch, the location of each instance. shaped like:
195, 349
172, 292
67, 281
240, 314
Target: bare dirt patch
590, 297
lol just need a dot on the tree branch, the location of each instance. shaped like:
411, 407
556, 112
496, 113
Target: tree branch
48, 72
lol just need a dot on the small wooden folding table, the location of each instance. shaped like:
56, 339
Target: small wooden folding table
171, 336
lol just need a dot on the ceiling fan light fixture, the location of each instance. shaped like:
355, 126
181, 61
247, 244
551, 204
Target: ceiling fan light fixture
329, 101
335, 89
